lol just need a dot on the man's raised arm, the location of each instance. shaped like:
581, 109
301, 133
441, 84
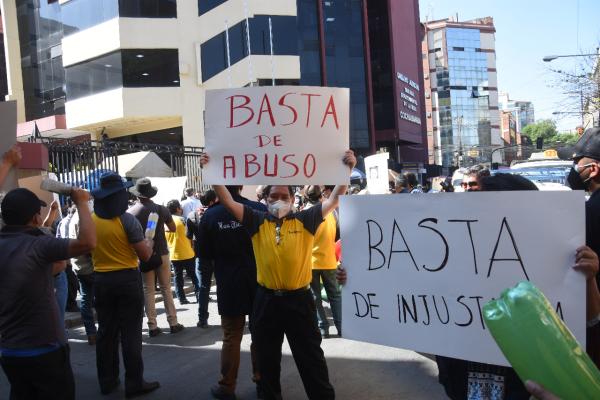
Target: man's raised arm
236, 209
332, 202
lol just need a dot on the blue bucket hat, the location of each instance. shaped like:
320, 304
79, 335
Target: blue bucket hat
110, 183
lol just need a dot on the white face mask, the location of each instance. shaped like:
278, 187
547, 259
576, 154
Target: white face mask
279, 209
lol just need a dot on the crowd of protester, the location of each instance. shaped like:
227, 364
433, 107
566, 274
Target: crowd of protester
273, 259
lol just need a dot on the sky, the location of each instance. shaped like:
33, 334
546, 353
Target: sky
526, 31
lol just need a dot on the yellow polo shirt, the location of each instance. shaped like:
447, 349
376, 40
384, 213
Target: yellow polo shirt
113, 250
180, 247
323, 255
284, 258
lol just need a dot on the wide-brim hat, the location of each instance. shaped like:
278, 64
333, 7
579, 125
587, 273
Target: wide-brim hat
110, 183
143, 188
113, 205
588, 145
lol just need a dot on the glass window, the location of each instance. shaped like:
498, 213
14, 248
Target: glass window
205, 6
78, 15
148, 8
94, 76
308, 43
150, 68
124, 68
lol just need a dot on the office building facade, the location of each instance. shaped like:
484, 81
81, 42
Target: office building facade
463, 120
523, 111
138, 70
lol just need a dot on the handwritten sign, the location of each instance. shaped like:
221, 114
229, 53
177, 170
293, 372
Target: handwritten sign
376, 167
421, 267
291, 135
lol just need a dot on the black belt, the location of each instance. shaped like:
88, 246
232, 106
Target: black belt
283, 292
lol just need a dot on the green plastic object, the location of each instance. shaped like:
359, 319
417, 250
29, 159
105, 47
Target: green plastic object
538, 344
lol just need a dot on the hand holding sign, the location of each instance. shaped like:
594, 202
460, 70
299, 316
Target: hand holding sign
287, 135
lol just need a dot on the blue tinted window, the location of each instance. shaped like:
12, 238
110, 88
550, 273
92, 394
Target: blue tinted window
308, 43
213, 52
344, 46
148, 8
205, 6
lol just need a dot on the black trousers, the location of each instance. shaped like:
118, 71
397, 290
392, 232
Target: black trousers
73, 286
295, 316
119, 302
44, 377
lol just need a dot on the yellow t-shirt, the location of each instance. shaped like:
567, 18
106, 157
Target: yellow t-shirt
180, 247
113, 250
323, 255
284, 258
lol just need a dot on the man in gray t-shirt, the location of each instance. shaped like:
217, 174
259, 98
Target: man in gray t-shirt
144, 191
34, 350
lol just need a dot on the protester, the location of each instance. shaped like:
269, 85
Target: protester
412, 183
260, 196
144, 191
119, 298
585, 175
324, 264
472, 179
181, 253
400, 185
204, 271
34, 350
191, 203
84, 270
223, 242
283, 243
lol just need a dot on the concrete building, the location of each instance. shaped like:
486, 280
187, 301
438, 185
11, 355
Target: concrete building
523, 111
138, 70
511, 137
461, 91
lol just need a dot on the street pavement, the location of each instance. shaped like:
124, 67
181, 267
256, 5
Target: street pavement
187, 365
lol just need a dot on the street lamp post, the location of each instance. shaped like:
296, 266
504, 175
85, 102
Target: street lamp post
554, 57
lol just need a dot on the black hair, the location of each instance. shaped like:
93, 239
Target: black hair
313, 193
268, 188
328, 187
505, 182
235, 190
411, 179
173, 206
208, 197
189, 191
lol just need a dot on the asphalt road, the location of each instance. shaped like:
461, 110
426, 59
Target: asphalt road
187, 365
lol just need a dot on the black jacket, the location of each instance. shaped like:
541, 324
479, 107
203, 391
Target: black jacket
224, 241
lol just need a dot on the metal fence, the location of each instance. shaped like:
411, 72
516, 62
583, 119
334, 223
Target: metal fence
81, 162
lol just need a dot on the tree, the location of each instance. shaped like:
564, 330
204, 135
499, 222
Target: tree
544, 128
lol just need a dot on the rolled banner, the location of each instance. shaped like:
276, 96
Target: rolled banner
538, 344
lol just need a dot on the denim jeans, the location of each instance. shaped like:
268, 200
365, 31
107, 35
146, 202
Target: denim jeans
86, 287
333, 295
204, 271
189, 267
61, 291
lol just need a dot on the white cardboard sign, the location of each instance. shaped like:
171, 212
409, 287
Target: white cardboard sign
376, 169
290, 135
421, 267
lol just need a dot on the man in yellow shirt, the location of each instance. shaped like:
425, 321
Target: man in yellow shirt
283, 242
119, 297
181, 252
324, 265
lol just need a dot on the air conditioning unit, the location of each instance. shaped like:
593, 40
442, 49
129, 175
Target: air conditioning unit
426, 76
429, 115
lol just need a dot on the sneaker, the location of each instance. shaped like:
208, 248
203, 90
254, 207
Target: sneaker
202, 324
91, 339
182, 302
177, 328
154, 332
145, 387
219, 393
